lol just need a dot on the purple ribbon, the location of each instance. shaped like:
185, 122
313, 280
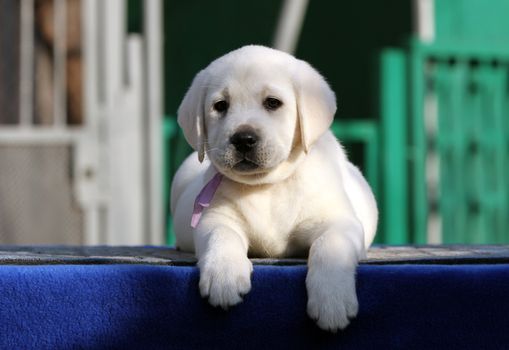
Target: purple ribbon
204, 198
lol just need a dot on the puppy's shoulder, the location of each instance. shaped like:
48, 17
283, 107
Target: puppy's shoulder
191, 170
327, 149
323, 166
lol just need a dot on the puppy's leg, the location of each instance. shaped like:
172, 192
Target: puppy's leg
330, 281
225, 270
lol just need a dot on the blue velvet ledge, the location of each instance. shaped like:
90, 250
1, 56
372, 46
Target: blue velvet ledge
147, 298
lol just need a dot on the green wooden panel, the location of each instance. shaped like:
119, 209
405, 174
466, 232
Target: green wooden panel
417, 147
472, 21
465, 69
453, 168
393, 112
472, 37
471, 142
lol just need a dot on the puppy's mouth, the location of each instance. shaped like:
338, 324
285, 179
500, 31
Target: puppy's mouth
246, 165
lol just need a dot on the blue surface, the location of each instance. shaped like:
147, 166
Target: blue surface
159, 307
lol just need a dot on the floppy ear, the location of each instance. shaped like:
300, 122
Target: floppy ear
191, 115
316, 103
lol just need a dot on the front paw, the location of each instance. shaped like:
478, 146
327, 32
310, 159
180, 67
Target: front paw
224, 280
332, 300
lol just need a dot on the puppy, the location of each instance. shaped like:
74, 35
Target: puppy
268, 179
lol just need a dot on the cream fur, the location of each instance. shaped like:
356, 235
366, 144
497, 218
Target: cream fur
305, 196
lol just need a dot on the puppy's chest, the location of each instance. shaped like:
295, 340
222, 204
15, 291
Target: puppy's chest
270, 216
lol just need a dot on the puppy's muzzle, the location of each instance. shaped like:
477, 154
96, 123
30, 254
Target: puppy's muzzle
244, 141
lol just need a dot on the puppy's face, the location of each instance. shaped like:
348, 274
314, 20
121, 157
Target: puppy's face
250, 120
255, 112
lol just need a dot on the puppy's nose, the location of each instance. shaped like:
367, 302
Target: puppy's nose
244, 141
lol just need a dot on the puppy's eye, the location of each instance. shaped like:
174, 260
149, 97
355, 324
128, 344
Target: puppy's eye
221, 106
272, 103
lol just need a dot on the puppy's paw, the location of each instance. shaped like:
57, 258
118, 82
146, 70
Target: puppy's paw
332, 300
224, 280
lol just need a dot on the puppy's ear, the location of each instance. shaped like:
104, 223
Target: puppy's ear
191, 115
316, 103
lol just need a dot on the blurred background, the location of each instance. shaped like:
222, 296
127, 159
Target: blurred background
89, 91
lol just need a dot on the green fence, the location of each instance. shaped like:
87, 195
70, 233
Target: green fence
460, 116
456, 146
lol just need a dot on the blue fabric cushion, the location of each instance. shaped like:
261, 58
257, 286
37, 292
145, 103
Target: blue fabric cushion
159, 307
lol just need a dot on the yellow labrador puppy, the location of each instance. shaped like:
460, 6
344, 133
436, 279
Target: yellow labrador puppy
268, 179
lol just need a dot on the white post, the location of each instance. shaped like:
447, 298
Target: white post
424, 19
153, 27
290, 24
90, 67
121, 148
124, 129
86, 151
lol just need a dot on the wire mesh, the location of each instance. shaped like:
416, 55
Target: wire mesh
40, 90
37, 205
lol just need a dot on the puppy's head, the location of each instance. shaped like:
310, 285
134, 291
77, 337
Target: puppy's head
255, 112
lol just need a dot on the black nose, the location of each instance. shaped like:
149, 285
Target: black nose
244, 141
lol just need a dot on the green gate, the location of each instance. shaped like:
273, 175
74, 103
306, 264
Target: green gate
456, 144
444, 113
460, 122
